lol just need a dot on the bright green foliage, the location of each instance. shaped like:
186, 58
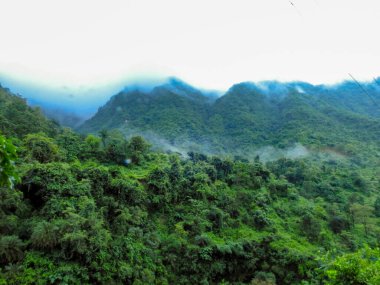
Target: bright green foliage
8, 157
71, 144
82, 214
361, 267
171, 220
41, 148
17, 119
137, 149
91, 147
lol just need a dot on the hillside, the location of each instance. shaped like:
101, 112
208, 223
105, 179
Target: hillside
18, 119
107, 210
248, 116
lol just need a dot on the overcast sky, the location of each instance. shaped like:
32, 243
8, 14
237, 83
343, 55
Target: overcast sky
209, 43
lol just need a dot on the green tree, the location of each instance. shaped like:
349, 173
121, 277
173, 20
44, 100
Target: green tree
116, 149
338, 224
361, 214
104, 136
8, 156
137, 149
361, 267
11, 249
91, 147
70, 143
377, 207
310, 226
45, 235
41, 148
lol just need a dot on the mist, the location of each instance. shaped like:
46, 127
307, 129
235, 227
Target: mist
68, 44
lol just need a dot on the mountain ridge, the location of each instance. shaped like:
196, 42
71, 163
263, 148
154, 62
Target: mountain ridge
247, 116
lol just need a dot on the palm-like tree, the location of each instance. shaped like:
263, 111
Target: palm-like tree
11, 249
104, 136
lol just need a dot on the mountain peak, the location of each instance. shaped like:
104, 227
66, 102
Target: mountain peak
182, 88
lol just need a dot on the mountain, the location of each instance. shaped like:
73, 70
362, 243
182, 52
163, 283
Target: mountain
69, 106
174, 110
63, 117
248, 116
18, 119
105, 209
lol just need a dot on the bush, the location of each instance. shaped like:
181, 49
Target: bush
41, 148
11, 249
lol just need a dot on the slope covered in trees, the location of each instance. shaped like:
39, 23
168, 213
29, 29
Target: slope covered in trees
100, 209
249, 116
18, 119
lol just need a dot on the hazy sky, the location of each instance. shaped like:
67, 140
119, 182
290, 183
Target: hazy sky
209, 43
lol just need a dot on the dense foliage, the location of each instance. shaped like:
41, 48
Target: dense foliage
100, 209
7, 159
18, 119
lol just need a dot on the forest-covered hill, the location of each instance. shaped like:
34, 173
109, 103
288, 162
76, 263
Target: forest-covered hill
18, 119
102, 209
248, 116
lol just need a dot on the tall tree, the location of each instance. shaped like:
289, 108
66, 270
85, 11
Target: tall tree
137, 149
104, 136
8, 156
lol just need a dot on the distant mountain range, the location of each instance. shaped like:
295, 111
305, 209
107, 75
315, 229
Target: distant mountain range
343, 118
247, 116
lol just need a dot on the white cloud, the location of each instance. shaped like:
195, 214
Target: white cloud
210, 43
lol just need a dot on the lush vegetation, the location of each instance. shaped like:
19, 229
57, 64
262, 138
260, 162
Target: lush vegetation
247, 117
100, 209
18, 119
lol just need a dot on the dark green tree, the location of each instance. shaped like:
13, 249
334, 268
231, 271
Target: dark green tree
8, 157
310, 226
377, 207
41, 148
71, 144
137, 149
103, 133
